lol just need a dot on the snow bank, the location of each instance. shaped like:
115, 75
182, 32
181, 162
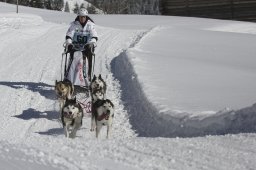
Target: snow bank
148, 122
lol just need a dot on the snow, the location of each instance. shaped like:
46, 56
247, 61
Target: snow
183, 90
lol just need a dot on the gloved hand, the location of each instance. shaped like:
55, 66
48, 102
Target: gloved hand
69, 47
89, 47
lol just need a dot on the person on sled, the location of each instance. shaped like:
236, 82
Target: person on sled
82, 36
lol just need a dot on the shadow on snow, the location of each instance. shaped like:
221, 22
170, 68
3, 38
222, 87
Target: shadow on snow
147, 122
34, 114
50, 115
43, 89
52, 132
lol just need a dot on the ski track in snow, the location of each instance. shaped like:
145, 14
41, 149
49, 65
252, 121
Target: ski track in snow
30, 125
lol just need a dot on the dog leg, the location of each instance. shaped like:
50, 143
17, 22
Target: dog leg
61, 104
69, 96
66, 131
73, 132
108, 131
93, 122
98, 127
109, 127
78, 125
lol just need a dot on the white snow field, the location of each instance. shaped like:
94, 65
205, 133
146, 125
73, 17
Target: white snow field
183, 90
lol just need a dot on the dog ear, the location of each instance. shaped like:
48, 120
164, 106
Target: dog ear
100, 76
94, 77
109, 101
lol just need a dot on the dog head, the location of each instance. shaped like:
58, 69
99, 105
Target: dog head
107, 107
97, 95
71, 109
63, 88
98, 83
105, 110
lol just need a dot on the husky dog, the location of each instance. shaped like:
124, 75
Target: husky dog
98, 83
97, 95
64, 90
71, 117
104, 114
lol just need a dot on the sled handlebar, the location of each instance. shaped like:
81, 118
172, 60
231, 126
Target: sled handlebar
76, 49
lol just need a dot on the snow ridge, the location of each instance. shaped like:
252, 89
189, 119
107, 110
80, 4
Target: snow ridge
147, 120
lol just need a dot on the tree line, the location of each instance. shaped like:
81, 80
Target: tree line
128, 6
107, 6
46, 4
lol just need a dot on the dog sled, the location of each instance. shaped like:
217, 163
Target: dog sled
75, 70
88, 96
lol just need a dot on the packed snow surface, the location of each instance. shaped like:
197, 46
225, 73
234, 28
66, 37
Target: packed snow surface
183, 90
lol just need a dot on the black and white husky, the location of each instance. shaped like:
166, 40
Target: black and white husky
97, 95
98, 84
104, 114
71, 117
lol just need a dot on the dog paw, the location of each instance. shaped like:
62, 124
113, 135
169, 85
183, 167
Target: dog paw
72, 135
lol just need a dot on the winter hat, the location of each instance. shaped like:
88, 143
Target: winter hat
82, 12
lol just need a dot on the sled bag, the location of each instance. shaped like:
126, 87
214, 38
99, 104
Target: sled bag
76, 71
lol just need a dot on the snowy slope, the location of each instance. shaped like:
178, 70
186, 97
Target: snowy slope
31, 134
